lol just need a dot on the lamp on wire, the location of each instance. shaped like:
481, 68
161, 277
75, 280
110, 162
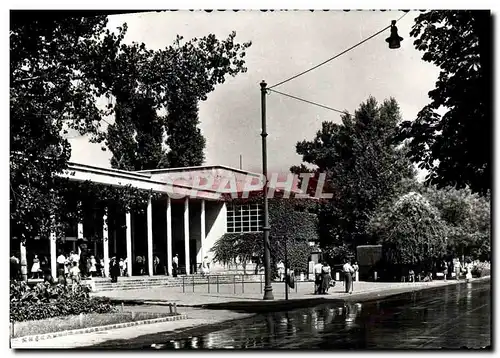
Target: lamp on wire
394, 40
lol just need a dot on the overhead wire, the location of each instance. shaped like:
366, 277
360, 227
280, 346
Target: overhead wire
336, 56
307, 101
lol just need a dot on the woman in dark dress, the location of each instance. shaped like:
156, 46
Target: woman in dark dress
114, 270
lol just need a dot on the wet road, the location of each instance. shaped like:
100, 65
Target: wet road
454, 316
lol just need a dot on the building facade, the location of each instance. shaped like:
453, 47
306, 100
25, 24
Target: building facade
187, 220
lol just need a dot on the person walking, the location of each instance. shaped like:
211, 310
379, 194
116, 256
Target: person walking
281, 270
125, 267
35, 268
114, 269
205, 266
318, 279
356, 270
175, 265
156, 264
98, 266
103, 272
457, 268
75, 275
93, 266
67, 265
325, 277
121, 265
468, 275
61, 278
138, 261
348, 271
445, 270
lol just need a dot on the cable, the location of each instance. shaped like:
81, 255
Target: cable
306, 101
336, 56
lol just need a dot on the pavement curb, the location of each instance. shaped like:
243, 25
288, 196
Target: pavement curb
40, 337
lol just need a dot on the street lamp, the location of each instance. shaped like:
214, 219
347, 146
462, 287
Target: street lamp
394, 40
268, 288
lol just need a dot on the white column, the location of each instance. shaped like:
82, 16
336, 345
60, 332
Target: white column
202, 230
186, 234
105, 243
150, 236
53, 254
169, 236
128, 223
24, 260
80, 231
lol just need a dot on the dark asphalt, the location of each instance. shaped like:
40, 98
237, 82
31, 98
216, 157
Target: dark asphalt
452, 317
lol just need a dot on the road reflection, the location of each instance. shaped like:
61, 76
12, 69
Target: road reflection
448, 317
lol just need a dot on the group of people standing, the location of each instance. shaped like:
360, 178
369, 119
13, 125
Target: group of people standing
349, 272
75, 266
323, 277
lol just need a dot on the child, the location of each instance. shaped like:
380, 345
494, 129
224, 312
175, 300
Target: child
122, 266
74, 273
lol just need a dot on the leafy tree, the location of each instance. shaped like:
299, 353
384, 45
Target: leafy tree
455, 148
363, 167
50, 91
410, 230
173, 80
467, 217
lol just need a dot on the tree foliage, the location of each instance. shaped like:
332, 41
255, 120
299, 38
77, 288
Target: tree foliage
411, 231
467, 217
50, 91
60, 67
173, 80
455, 148
363, 167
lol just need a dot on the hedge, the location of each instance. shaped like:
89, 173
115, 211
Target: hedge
48, 301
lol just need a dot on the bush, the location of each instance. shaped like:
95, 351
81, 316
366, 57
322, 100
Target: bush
47, 301
481, 269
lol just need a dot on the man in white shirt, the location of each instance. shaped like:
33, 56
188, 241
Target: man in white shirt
61, 260
318, 282
175, 265
74, 257
348, 271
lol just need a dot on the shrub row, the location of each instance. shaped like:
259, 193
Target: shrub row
48, 301
481, 269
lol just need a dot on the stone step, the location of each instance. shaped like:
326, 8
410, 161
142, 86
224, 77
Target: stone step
126, 283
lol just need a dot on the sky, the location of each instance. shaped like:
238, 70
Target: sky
285, 44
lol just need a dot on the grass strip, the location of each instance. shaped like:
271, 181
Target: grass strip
65, 323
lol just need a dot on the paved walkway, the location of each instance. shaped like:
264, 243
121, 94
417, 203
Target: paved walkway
252, 292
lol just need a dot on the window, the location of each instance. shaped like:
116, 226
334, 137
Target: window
244, 218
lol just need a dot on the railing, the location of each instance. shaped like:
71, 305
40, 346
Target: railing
232, 284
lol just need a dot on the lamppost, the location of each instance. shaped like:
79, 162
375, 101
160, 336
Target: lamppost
268, 288
394, 41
